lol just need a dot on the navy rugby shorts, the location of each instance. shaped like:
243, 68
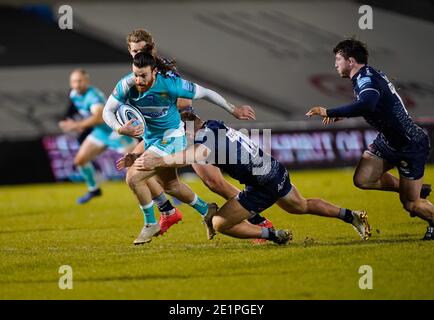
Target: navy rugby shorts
257, 197
410, 159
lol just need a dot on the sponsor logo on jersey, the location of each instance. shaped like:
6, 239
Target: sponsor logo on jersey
363, 81
164, 95
187, 85
281, 183
154, 111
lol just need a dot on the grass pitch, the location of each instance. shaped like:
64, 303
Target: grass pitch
42, 229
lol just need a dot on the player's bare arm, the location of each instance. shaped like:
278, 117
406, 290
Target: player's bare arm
128, 159
182, 104
194, 154
70, 125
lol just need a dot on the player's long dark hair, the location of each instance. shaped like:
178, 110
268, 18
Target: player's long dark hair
163, 65
144, 59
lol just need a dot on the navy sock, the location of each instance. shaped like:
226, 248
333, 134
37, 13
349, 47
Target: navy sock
271, 234
96, 192
268, 233
167, 206
346, 215
256, 219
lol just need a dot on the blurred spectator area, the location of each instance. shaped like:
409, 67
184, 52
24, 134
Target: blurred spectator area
273, 55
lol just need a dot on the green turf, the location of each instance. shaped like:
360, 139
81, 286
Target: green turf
42, 228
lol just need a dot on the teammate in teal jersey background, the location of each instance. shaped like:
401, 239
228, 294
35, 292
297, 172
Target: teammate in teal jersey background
89, 102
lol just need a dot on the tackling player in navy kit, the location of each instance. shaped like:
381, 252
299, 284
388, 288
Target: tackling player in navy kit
267, 182
400, 142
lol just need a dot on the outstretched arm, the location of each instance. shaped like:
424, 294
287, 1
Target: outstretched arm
94, 119
366, 103
241, 112
69, 125
194, 154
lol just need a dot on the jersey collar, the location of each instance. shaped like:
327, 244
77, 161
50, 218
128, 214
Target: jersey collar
357, 74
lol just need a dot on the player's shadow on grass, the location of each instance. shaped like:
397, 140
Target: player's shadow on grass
356, 242
148, 277
23, 214
105, 279
55, 229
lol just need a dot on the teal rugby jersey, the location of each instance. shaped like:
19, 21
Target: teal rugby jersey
158, 104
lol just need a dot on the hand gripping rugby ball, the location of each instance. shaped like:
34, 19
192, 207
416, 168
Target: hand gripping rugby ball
125, 113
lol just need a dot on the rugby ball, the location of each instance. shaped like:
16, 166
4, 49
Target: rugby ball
126, 112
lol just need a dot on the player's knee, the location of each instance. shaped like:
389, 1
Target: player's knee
410, 206
359, 182
172, 186
367, 155
128, 178
215, 185
301, 206
131, 179
219, 224
79, 161
294, 203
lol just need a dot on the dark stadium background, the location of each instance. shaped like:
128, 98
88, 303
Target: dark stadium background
33, 50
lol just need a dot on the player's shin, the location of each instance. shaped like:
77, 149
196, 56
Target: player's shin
148, 213
87, 171
243, 230
151, 227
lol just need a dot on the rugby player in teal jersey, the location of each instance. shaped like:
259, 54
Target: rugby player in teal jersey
155, 94
89, 102
140, 40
